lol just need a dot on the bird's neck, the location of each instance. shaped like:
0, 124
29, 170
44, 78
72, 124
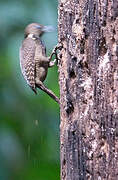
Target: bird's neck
33, 36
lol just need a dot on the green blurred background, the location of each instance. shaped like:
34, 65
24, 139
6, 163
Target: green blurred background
29, 123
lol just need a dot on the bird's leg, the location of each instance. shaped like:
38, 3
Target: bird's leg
39, 83
54, 52
48, 91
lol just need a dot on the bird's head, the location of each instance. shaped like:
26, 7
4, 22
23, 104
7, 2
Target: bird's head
37, 29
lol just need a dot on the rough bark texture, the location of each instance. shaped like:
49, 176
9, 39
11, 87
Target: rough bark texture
88, 77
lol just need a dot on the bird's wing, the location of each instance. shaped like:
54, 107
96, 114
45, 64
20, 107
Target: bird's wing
27, 62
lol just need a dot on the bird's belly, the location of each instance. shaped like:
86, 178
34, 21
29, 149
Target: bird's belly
41, 74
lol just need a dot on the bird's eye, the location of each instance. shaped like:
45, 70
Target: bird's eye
38, 27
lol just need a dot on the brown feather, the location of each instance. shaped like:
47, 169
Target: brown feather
27, 62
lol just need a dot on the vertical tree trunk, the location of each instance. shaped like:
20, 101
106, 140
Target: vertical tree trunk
88, 77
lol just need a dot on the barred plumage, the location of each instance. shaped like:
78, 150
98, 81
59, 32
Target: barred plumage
31, 53
27, 62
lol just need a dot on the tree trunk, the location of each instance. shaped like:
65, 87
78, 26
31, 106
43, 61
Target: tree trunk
88, 77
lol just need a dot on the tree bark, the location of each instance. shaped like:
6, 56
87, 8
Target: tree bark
88, 78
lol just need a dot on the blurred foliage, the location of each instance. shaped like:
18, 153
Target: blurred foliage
29, 123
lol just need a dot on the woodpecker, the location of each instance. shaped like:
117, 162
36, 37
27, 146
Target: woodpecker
33, 60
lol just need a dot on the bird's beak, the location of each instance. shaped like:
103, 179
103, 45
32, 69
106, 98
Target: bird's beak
48, 28
45, 28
